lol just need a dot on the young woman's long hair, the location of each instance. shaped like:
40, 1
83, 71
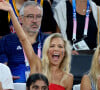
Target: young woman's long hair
95, 66
65, 64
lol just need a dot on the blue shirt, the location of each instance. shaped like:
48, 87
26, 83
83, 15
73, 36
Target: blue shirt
11, 51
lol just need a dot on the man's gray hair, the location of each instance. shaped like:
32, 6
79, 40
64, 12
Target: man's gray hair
27, 3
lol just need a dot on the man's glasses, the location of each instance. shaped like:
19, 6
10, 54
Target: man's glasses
31, 16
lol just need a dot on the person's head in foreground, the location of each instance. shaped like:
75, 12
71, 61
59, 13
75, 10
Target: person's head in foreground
37, 82
56, 52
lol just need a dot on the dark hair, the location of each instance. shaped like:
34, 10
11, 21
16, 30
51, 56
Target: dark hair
34, 77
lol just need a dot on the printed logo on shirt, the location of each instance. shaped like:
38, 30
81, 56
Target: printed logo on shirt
19, 47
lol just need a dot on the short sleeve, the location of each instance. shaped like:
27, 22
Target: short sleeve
6, 77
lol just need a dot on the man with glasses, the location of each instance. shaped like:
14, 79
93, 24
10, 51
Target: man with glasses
30, 17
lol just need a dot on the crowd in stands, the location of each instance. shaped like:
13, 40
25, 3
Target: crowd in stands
38, 39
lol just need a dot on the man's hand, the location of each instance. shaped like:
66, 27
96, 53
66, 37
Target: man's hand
15, 77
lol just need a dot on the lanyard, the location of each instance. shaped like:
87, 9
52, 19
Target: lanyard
75, 20
27, 69
26, 60
39, 45
39, 50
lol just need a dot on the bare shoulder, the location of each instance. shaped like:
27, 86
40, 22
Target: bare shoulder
68, 76
68, 82
85, 78
85, 83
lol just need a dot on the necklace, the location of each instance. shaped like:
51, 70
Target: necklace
81, 6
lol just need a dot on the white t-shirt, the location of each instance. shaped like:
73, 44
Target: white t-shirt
6, 77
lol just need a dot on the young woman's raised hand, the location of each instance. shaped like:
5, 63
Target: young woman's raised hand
4, 5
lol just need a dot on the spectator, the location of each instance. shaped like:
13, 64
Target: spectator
37, 81
48, 24
55, 61
92, 80
6, 78
70, 23
56, 55
10, 46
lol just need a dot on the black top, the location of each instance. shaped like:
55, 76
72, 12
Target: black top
48, 22
91, 38
4, 27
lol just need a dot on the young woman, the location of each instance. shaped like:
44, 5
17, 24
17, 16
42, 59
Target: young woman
37, 82
56, 55
92, 80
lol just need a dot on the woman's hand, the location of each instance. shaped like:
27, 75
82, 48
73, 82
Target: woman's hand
4, 5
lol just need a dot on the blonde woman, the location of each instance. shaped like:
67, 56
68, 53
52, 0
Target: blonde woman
55, 62
56, 55
92, 80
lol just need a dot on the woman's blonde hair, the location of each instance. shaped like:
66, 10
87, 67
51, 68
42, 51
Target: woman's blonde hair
95, 66
65, 64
